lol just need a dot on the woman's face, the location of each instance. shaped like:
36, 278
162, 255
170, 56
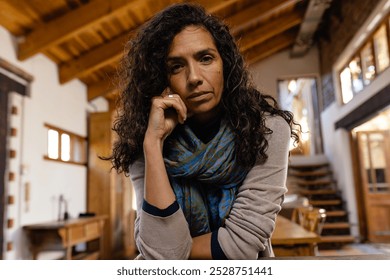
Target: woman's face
195, 72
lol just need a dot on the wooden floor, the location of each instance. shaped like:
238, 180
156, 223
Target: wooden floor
358, 249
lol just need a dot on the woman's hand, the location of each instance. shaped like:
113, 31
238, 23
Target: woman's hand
166, 111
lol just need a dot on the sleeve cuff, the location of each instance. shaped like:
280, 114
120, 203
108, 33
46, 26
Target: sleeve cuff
153, 210
216, 250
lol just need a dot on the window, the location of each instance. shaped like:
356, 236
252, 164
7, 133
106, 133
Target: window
367, 63
356, 74
65, 146
346, 85
381, 49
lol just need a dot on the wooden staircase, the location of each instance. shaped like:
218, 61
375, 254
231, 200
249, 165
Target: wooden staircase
314, 180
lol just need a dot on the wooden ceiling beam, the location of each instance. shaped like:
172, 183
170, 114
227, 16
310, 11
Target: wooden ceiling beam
104, 87
269, 30
96, 58
9, 12
256, 13
215, 6
70, 24
108, 53
270, 47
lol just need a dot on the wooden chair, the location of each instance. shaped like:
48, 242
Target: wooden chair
312, 219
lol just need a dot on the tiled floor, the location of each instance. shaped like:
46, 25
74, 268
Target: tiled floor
358, 249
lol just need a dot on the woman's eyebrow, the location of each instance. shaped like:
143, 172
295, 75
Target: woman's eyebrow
197, 54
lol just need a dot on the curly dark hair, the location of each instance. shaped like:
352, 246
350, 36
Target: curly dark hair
144, 75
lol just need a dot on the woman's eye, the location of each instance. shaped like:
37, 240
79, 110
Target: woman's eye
175, 68
207, 59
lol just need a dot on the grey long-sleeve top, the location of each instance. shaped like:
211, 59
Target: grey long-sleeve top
250, 224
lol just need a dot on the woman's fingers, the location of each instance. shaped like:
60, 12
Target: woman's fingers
180, 107
175, 101
166, 111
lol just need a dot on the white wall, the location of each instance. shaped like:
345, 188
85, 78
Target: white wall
265, 74
64, 106
337, 147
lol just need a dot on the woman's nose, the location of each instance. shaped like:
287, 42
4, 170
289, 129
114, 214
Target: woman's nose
194, 75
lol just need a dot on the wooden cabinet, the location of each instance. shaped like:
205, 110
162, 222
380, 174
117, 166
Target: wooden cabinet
108, 192
66, 235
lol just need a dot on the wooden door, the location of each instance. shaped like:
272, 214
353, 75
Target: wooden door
374, 157
109, 193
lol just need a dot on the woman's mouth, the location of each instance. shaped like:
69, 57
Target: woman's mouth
198, 95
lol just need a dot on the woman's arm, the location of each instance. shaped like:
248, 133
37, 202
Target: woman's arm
153, 188
166, 111
252, 220
162, 233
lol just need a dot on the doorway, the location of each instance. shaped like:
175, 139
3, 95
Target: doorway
300, 96
373, 152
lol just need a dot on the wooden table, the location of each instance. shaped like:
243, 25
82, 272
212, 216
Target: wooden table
291, 239
65, 235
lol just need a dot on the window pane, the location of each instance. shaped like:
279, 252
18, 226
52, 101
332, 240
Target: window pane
381, 49
356, 73
368, 64
65, 147
52, 148
78, 147
346, 85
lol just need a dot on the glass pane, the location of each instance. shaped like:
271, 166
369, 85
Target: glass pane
368, 65
366, 157
381, 49
378, 158
346, 85
76, 150
52, 144
65, 147
356, 74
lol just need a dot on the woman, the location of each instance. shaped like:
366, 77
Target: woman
206, 152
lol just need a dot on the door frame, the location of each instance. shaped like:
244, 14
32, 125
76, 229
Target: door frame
7, 85
359, 192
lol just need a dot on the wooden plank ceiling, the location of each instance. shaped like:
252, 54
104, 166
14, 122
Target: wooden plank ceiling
86, 37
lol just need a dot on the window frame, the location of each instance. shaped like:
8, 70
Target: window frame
75, 139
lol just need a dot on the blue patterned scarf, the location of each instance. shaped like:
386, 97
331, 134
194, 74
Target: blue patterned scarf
204, 177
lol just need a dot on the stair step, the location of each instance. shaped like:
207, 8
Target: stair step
337, 238
336, 225
336, 213
325, 202
317, 192
310, 173
313, 182
308, 166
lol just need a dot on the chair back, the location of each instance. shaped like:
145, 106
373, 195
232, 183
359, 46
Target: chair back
311, 218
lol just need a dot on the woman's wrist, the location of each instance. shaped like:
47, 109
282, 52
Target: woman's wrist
152, 144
